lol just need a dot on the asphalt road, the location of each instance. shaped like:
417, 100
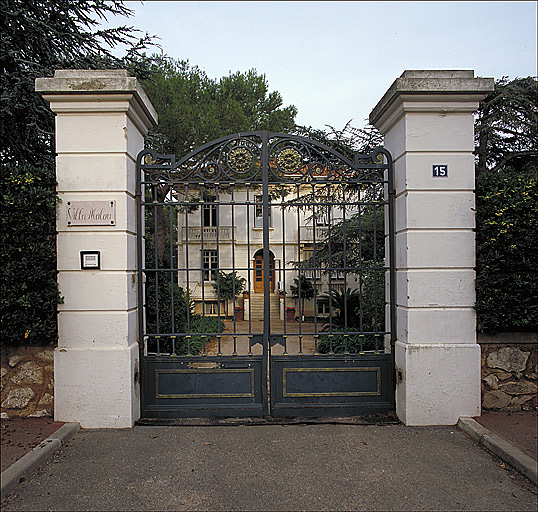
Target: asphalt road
273, 467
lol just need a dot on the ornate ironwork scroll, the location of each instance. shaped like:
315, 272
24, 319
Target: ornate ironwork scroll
238, 158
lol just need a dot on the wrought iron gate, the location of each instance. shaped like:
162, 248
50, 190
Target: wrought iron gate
262, 264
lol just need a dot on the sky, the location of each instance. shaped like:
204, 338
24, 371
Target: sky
335, 60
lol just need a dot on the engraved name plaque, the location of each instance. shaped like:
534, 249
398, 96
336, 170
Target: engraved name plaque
91, 213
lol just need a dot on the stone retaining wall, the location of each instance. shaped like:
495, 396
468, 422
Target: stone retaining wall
27, 382
509, 372
509, 376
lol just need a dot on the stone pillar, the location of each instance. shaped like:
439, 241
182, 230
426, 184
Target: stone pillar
428, 124
101, 120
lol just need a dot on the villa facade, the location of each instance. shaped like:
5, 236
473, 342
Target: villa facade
227, 235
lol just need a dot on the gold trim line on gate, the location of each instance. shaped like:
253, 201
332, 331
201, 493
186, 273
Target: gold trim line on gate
206, 371
377, 369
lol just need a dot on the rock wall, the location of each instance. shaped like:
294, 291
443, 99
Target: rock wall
509, 372
509, 376
27, 382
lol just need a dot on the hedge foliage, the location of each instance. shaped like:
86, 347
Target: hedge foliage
36, 39
169, 312
506, 251
365, 312
28, 250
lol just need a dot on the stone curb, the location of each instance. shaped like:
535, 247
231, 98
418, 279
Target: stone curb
22, 468
520, 461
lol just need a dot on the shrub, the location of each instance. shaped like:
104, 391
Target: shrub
365, 313
353, 343
228, 287
29, 292
171, 319
506, 245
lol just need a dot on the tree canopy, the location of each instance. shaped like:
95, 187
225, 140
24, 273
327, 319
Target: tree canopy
348, 141
506, 128
194, 109
40, 37
507, 207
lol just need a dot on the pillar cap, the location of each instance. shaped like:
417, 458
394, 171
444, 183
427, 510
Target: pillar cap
97, 82
456, 82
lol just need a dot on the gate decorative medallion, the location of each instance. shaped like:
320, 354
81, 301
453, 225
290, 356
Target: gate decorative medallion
263, 263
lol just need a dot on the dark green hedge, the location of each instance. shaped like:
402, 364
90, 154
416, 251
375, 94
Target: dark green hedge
507, 251
29, 292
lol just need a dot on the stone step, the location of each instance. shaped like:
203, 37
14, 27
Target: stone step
257, 306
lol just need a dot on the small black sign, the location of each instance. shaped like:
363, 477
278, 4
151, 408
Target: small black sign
440, 171
90, 260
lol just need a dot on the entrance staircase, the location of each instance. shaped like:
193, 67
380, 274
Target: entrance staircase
256, 306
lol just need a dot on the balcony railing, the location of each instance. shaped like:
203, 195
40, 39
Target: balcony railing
307, 233
194, 234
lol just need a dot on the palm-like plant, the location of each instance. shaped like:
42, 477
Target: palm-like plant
345, 309
352, 311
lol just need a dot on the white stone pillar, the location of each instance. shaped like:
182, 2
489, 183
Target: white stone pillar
427, 120
101, 120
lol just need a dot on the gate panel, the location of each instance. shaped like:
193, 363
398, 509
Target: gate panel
203, 386
261, 295
333, 355
331, 385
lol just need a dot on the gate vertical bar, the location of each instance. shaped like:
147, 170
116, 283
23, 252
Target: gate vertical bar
267, 270
140, 264
392, 250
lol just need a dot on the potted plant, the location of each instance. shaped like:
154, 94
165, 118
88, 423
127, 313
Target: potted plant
239, 314
302, 289
228, 287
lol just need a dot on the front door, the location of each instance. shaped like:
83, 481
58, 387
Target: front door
259, 271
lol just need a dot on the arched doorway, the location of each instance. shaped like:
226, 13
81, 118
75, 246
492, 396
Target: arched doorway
259, 270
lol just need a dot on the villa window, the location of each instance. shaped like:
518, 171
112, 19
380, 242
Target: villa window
209, 214
211, 308
323, 309
337, 287
210, 265
307, 253
258, 212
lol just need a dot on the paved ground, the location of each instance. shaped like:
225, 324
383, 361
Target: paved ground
273, 467
293, 344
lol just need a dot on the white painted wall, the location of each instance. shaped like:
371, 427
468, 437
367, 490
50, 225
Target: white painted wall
101, 119
427, 119
246, 239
